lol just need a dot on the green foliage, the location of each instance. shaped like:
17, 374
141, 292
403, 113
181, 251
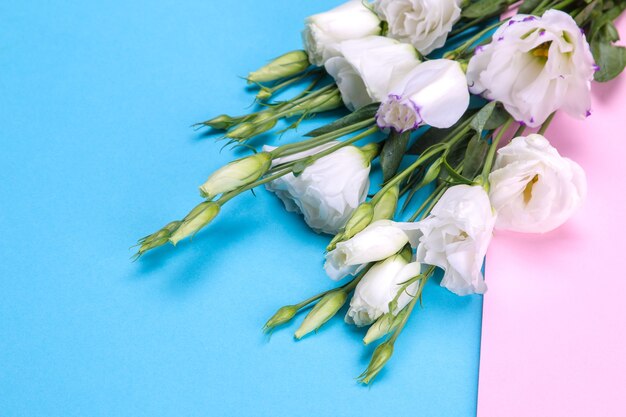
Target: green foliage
393, 152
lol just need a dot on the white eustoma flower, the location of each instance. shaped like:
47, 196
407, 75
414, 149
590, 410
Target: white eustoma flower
423, 23
378, 241
535, 66
455, 237
328, 191
533, 188
369, 67
379, 286
324, 31
433, 93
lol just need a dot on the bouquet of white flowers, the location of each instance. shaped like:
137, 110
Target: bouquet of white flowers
445, 81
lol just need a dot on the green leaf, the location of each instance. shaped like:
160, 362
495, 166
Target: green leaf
358, 116
497, 118
393, 152
528, 6
484, 8
480, 120
610, 58
456, 177
474, 156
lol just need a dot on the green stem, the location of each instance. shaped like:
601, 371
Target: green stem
520, 131
492, 150
290, 81
325, 152
224, 198
349, 286
428, 153
307, 144
432, 197
291, 104
546, 124
411, 305
461, 49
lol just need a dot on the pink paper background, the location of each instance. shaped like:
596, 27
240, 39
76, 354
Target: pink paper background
554, 318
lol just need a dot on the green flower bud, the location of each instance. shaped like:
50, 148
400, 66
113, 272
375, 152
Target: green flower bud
380, 357
286, 65
323, 311
222, 122
386, 324
432, 172
385, 208
359, 220
204, 214
264, 94
330, 100
282, 316
236, 174
333, 243
370, 151
159, 238
261, 122
326, 102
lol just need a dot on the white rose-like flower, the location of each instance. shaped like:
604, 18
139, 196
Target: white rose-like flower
369, 67
324, 31
423, 23
535, 66
433, 93
379, 240
379, 286
328, 191
455, 237
533, 188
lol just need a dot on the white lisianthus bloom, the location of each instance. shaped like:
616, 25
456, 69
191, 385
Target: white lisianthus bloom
328, 191
533, 188
369, 67
433, 93
324, 31
455, 237
378, 241
535, 66
423, 23
379, 286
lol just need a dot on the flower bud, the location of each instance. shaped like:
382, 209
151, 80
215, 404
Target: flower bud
203, 213
264, 94
432, 172
385, 207
383, 326
329, 100
261, 122
158, 238
236, 174
286, 65
222, 122
333, 243
359, 220
282, 316
380, 357
323, 311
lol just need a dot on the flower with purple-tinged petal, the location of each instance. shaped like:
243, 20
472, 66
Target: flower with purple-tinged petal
535, 67
434, 93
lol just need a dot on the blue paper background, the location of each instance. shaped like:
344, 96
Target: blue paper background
96, 100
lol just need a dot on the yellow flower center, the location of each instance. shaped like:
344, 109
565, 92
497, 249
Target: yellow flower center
528, 190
